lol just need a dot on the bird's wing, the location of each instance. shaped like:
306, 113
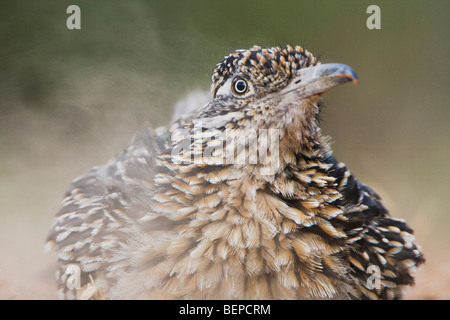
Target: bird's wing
100, 211
382, 253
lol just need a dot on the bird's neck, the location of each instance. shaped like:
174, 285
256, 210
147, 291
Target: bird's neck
301, 135
278, 144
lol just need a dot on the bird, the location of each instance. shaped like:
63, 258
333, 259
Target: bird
238, 198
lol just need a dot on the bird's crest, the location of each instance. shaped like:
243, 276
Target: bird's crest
271, 65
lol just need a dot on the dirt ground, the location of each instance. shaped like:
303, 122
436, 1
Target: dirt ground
26, 272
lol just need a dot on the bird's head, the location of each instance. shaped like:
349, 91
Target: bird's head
271, 88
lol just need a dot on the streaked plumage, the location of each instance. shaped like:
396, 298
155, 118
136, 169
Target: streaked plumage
154, 223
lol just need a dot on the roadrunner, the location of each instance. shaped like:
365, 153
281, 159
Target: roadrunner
239, 199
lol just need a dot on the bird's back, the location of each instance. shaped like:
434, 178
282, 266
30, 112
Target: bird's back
100, 213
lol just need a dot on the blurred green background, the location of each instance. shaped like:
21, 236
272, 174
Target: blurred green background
71, 99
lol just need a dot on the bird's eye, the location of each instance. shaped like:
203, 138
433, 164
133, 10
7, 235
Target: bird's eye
240, 86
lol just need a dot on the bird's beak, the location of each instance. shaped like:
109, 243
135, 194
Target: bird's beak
319, 79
